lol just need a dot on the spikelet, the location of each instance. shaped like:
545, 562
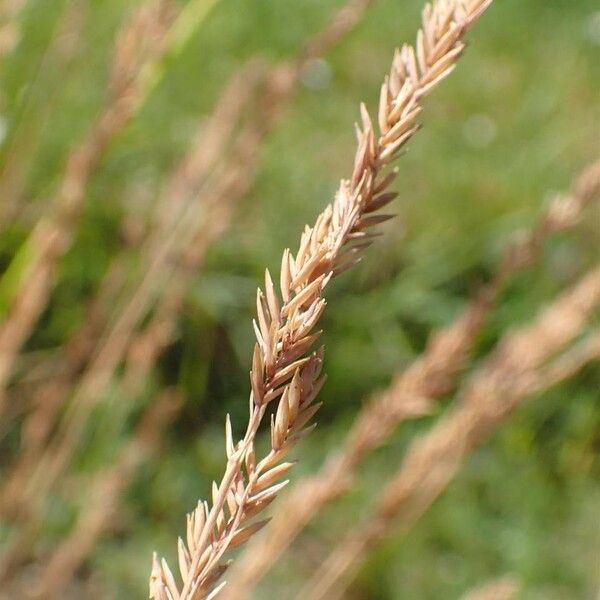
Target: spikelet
281, 367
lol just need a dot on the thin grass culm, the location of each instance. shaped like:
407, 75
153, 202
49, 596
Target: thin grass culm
284, 364
526, 360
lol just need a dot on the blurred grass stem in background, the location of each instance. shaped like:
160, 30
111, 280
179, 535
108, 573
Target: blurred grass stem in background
515, 369
137, 68
411, 393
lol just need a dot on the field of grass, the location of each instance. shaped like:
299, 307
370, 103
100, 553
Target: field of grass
513, 125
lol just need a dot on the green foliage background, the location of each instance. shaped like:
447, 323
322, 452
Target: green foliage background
527, 503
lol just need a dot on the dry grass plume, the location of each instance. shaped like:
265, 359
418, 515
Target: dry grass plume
284, 365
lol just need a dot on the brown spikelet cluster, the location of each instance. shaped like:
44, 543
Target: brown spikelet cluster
283, 365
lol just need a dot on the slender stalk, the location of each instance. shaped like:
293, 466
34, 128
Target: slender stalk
410, 394
283, 365
516, 369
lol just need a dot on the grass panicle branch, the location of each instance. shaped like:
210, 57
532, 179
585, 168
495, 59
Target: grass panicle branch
284, 366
